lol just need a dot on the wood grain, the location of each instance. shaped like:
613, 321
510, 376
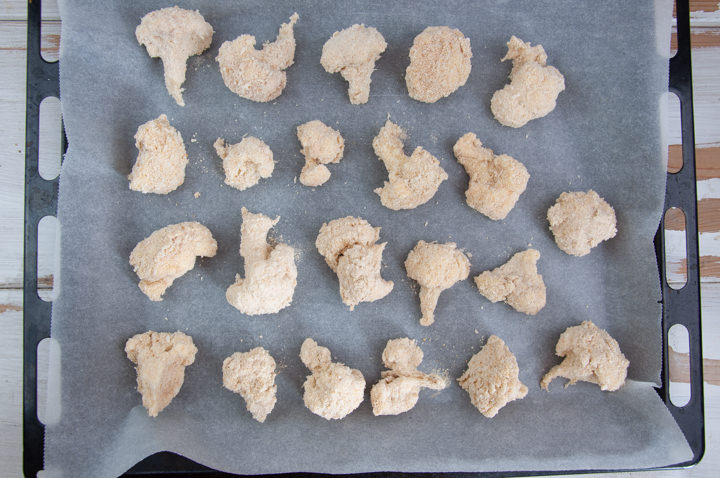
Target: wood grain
709, 267
708, 217
707, 160
679, 365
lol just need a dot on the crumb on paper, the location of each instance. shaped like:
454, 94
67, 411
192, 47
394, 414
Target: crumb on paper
252, 375
399, 387
492, 378
439, 63
516, 282
496, 181
161, 161
580, 221
258, 75
533, 89
412, 180
174, 34
353, 52
270, 272
168, 253
160, 359
197, 194
246, 162
321, 145
590, 355
349, 247
332, 390
436, 267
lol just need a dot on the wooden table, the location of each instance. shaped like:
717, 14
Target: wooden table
705, 22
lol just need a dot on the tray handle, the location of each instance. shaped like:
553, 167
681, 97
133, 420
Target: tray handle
682, 306
43, 80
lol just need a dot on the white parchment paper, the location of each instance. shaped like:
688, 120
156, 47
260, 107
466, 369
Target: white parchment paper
604, 135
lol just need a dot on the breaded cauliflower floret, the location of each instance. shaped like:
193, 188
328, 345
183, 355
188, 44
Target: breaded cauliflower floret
161, 358
246, 162
580, 221
252, 375
492, 378
174, 35
348, 246
333, 390
591, 355
258, 74
168, 253
270, 272
533, 87
516, 282
320, 145
435, 267
496, 182
439, 63
399, 388
412, 180
353, 52
161, 161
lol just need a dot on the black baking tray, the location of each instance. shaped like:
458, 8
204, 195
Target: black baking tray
681, 306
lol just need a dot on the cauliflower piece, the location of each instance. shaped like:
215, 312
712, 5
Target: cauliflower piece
533, 87
399, 388
333, 390
258, 75
161, 161
174, 35
439, 63
435, 267
245, 162
252, 375
496, 182
516, 282
168, 253
270, 272
320, 145
492, 378
580, 221
412, 180
591, 355
353, 52
161, 358
348, 246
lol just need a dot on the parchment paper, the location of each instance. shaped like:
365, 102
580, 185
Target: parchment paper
604, 135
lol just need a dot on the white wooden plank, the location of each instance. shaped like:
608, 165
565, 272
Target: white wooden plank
12, 155
17, 10
11, 380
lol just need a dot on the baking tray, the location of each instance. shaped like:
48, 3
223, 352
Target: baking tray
680, 306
